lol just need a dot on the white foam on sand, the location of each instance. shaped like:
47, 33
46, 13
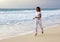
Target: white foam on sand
12, 30
14, 35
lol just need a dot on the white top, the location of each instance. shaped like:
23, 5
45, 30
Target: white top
37, 13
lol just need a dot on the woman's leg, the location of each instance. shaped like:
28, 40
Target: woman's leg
41, 26
37, 22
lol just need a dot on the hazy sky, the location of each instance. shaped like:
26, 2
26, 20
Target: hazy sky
29, 3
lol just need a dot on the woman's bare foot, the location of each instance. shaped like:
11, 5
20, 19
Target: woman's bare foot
35, 34
42, 32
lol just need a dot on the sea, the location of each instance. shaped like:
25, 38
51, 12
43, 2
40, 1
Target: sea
15, 22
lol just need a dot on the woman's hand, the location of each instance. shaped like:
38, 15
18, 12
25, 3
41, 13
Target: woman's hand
33, 18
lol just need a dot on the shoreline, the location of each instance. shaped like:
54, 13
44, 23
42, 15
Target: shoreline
22, 34
52, 34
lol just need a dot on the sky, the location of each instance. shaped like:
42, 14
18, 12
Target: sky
29, 3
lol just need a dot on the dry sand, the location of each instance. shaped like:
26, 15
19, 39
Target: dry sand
52, 34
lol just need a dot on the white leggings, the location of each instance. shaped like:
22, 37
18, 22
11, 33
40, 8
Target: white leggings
38, 22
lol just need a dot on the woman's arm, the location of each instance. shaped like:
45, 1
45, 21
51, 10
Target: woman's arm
39, 16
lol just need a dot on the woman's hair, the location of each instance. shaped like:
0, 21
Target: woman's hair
38, 9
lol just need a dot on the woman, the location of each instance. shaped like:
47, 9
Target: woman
38, 19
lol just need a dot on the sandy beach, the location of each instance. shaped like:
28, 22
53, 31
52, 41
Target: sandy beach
51, 34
